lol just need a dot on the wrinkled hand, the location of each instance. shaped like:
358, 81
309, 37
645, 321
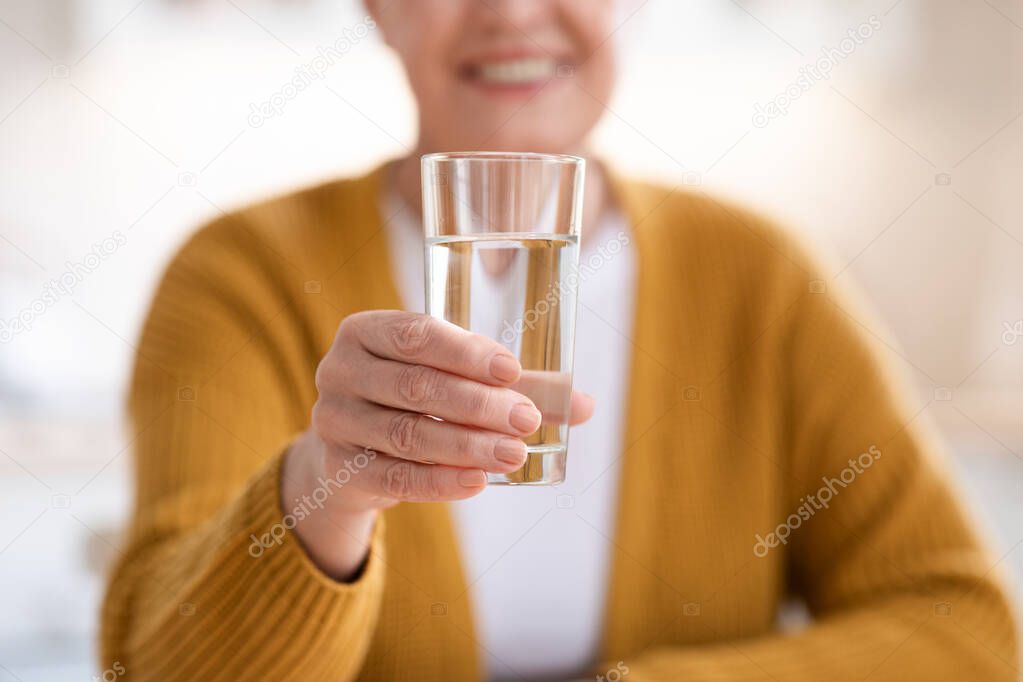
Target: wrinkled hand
415, 409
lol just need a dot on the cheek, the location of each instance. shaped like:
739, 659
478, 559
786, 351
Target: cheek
590, 97
592, 24
429, 77
598, 75
423, 34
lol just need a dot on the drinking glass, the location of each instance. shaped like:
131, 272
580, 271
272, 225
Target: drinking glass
502, 260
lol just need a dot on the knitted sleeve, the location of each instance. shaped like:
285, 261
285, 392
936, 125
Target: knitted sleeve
209, 586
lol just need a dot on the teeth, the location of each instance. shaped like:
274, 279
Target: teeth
518, 70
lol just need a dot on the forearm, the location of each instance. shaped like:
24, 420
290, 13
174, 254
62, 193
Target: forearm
910, 636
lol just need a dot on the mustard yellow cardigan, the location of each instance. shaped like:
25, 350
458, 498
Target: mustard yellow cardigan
754, 387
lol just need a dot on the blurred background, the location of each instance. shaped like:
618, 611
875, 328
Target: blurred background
888, 132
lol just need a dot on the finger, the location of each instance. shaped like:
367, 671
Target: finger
423, 340
552, 394
416, 388
416, 437
392, 478
583, 405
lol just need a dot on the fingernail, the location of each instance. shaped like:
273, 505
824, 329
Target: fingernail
472, 478
510, 451
504, 367
524, 417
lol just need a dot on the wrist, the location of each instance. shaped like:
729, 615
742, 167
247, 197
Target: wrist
334, 537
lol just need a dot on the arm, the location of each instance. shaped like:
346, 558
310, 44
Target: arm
212, 582
216, 398
892, 571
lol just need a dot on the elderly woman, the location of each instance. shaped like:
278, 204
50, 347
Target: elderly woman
299, 516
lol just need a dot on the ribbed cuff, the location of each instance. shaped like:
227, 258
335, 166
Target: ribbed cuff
261, 609
269, 531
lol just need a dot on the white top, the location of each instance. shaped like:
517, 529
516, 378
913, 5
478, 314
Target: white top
537, 559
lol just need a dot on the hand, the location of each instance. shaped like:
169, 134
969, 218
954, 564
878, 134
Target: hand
385, 385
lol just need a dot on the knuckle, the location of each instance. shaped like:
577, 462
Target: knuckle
320, 420
431, 486
323, 379
418, 384
318, 380
347, 329
398, 480
327, 421
479, 400
404, 433
358, 318
332, 373
411, 335
344, 367
465, 442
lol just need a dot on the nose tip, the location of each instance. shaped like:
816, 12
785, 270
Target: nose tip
519, 14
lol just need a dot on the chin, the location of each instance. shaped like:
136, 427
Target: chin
529, 139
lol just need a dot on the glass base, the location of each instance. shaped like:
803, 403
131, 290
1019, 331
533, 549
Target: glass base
544, 466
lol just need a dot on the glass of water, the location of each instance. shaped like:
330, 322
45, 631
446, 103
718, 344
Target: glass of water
502, 259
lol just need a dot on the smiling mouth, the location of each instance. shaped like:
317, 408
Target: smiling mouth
516, 74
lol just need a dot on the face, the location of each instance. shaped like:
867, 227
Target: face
503, 75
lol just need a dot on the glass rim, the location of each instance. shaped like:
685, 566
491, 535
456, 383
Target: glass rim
567, 159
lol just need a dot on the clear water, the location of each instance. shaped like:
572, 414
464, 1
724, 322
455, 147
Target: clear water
519, 289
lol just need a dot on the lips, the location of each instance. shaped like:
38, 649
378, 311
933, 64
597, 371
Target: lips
512, 74
524, 71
